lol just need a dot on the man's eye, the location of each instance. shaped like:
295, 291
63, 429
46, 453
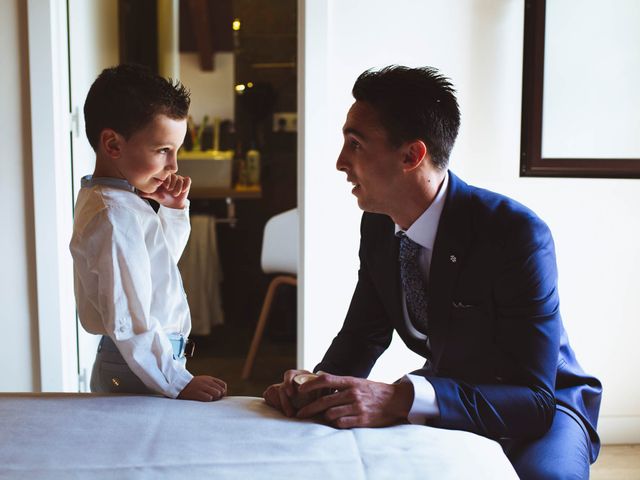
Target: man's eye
163, 150
354, 144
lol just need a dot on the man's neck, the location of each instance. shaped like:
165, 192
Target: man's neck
415, 201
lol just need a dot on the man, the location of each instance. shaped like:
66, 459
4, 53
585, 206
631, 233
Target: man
468, 279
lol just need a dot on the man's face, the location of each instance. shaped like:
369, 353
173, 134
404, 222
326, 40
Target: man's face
149, 156
371, 163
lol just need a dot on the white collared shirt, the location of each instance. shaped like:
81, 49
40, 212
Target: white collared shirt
127, 282
423, 232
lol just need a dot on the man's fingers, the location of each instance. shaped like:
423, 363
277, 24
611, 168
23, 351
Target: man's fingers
285, 403
271, 396
340, 411
323, 403
289, 375
346, 422
326, 381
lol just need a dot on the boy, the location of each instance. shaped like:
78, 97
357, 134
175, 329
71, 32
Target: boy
127, 284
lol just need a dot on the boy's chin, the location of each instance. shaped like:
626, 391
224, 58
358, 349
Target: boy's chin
147, 190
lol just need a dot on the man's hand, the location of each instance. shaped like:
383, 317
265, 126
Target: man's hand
172, 193
279, 395
204, 388
358, 402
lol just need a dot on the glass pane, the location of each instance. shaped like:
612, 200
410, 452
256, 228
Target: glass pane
591, 103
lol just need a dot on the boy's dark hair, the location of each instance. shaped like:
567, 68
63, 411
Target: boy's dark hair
413, 104
127, 97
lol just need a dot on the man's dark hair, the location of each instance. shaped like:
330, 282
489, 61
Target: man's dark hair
413, 104
125, 98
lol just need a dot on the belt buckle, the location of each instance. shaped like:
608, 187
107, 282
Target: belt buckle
189, 348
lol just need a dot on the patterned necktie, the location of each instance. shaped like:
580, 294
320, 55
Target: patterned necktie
413, 282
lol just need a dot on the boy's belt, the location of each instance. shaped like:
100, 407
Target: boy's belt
182, 347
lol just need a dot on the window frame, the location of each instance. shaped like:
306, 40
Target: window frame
532, 164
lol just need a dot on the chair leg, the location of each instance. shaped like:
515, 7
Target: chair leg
262, 320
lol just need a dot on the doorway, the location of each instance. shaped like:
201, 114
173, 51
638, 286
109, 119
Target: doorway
239, 59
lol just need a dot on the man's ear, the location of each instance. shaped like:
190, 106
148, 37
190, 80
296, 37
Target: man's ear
415, 153
111, 142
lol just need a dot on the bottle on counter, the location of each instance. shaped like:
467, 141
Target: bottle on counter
253, 167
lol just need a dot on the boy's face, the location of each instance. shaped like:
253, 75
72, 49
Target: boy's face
149, 156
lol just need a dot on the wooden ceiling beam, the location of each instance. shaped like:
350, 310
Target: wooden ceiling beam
199, 13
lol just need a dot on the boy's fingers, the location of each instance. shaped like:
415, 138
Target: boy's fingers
220, 382
187, 184
177, 186
174, 180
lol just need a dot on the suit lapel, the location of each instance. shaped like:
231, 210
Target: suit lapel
449, 250
390, 277
387, 278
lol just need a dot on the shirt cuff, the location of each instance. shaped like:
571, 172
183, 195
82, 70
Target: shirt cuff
425, 404
176, 211
182, 378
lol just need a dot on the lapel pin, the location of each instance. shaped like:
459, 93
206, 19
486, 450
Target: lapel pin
453, 259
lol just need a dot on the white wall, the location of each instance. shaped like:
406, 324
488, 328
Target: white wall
18, 323
212, 93
478, 44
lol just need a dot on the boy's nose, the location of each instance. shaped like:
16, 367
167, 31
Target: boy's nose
172, 163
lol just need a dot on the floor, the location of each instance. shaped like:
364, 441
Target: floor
222, 355
617, 462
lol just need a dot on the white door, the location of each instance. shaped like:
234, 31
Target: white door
93, 46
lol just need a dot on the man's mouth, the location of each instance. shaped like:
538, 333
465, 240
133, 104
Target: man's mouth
356, 186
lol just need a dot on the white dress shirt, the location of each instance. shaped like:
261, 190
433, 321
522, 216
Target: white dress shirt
127, 282
423, 231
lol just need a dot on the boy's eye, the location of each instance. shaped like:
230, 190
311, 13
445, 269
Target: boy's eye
164, 150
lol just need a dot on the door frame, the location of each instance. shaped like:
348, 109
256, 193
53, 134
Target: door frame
52, 193
51, 124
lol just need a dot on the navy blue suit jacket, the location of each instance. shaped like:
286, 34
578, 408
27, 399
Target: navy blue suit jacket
501, 360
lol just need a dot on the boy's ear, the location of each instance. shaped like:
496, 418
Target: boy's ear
111, 142
415, 153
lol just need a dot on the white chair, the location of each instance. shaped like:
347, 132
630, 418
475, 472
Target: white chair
279, 255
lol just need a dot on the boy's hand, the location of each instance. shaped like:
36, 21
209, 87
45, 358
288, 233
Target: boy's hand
204, 389
172, 193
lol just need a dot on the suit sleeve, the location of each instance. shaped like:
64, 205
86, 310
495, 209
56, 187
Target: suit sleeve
518, 402
365, 334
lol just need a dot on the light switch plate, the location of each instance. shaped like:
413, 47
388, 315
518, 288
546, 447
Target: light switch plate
285, 122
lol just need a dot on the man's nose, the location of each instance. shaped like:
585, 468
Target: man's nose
341, 163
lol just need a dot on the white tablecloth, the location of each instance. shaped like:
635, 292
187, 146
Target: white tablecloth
138, 437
